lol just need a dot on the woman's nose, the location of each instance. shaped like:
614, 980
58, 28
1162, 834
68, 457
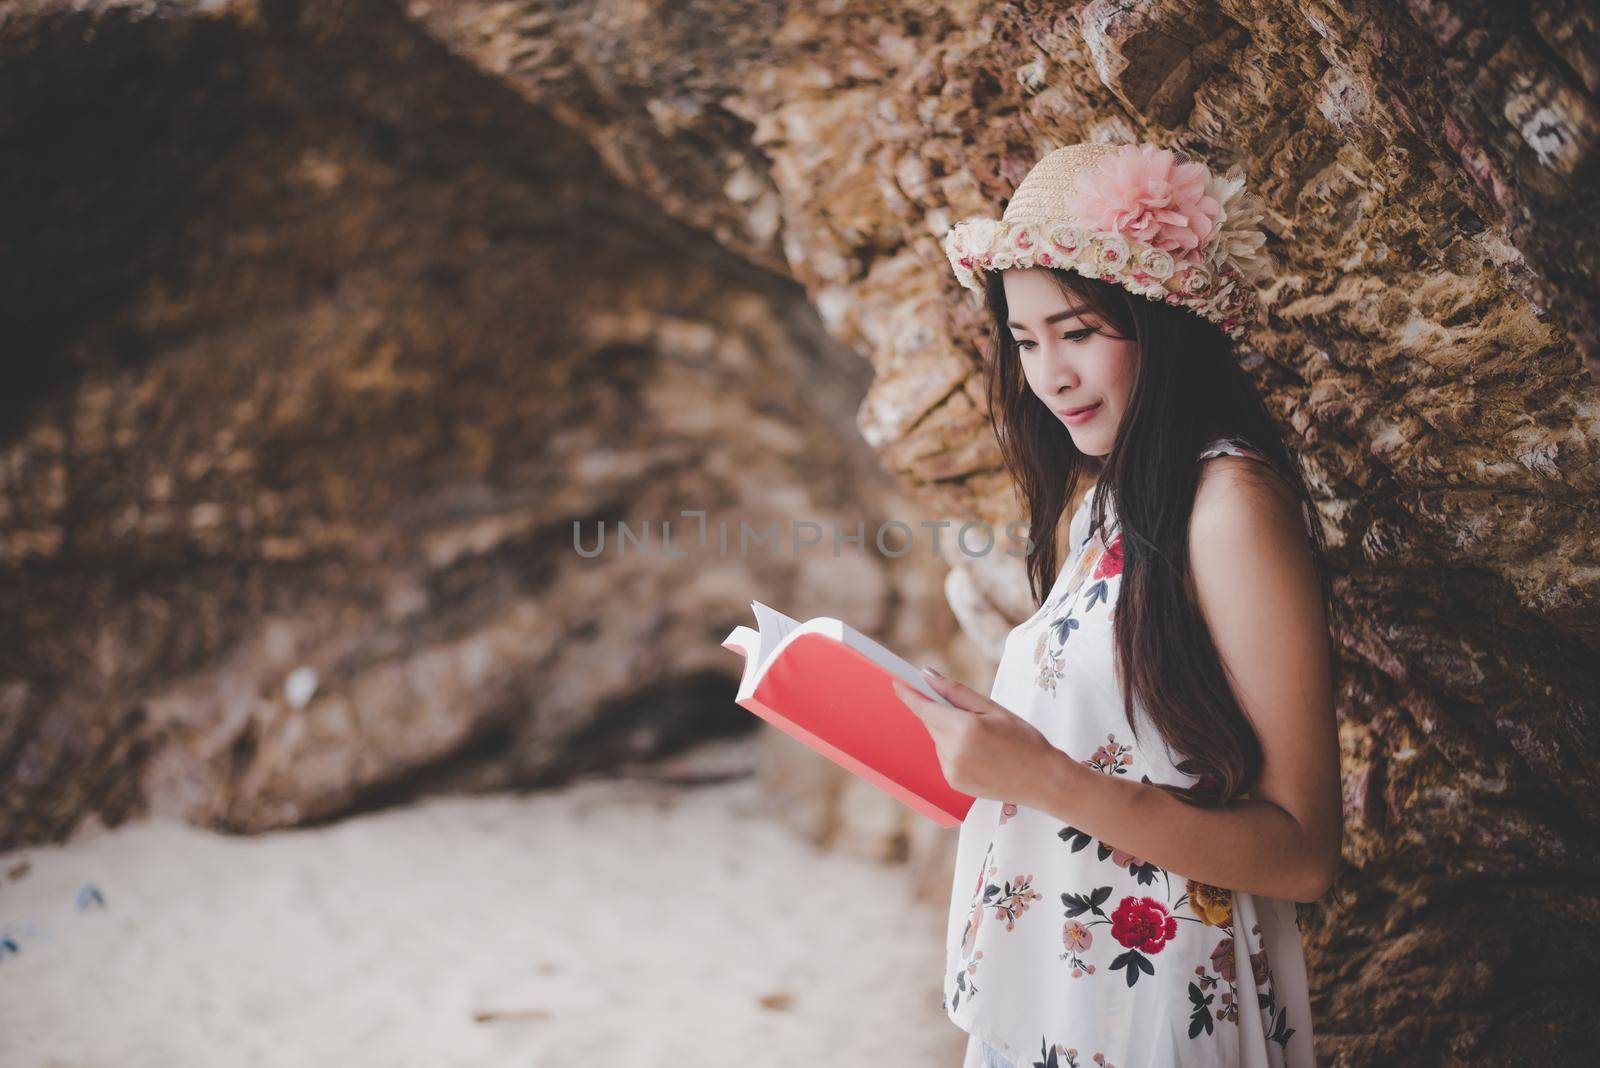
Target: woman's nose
1060, 376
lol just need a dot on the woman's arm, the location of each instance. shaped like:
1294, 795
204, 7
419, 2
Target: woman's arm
1256, 584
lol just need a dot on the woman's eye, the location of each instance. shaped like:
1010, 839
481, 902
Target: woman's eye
1073, 335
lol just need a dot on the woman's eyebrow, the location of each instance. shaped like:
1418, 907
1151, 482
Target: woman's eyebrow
1057, 317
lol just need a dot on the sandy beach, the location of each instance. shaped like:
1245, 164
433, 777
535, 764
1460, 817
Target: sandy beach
614, 921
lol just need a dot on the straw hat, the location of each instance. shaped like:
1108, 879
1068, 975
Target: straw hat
1145, 217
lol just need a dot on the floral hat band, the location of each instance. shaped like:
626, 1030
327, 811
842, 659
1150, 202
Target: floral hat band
1135, 214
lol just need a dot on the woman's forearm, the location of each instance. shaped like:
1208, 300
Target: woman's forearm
1251, 846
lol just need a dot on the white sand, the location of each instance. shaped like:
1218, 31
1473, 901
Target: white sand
616, 922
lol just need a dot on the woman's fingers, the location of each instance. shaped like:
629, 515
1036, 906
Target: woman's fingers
912, 699
957, 693
930, 711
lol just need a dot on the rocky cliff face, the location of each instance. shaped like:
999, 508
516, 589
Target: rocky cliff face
284, 396
329, 355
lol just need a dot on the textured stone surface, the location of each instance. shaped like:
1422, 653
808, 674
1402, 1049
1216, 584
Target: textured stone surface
324, 341
1431, 171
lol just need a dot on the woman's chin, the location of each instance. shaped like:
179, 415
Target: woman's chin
1090, 443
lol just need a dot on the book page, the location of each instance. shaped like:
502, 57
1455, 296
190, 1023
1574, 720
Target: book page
774, 627
894, 664
777, 627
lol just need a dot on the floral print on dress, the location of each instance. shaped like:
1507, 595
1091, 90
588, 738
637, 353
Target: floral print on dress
1058, 1055
1144, 925
1141, 870
1141, 925
1077, 938
1011, 899
1087, 585
1113, 758
963, 980
1008, 899
1226, 971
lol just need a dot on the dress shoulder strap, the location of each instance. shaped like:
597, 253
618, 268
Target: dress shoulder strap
1234, 447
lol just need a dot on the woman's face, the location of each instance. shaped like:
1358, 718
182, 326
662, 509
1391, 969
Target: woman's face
1071, 357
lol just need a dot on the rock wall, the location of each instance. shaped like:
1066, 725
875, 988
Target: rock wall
1430, 351
323, 343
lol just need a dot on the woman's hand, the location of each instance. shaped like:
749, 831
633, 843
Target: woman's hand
984, 748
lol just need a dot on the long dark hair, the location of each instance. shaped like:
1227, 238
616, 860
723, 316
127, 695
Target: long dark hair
1188, 390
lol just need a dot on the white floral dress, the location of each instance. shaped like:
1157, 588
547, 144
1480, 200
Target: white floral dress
1063, 950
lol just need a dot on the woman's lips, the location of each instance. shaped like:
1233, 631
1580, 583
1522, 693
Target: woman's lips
1083, 415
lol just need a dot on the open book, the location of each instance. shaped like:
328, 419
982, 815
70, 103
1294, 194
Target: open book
828, 685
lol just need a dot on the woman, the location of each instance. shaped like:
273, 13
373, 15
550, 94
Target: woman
1156, 765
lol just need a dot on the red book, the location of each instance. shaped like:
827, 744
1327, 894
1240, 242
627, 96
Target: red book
828, 685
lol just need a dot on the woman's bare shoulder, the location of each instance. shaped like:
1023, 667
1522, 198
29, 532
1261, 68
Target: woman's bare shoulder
1236, 493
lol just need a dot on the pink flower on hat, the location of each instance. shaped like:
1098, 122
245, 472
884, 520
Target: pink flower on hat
1143, 193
